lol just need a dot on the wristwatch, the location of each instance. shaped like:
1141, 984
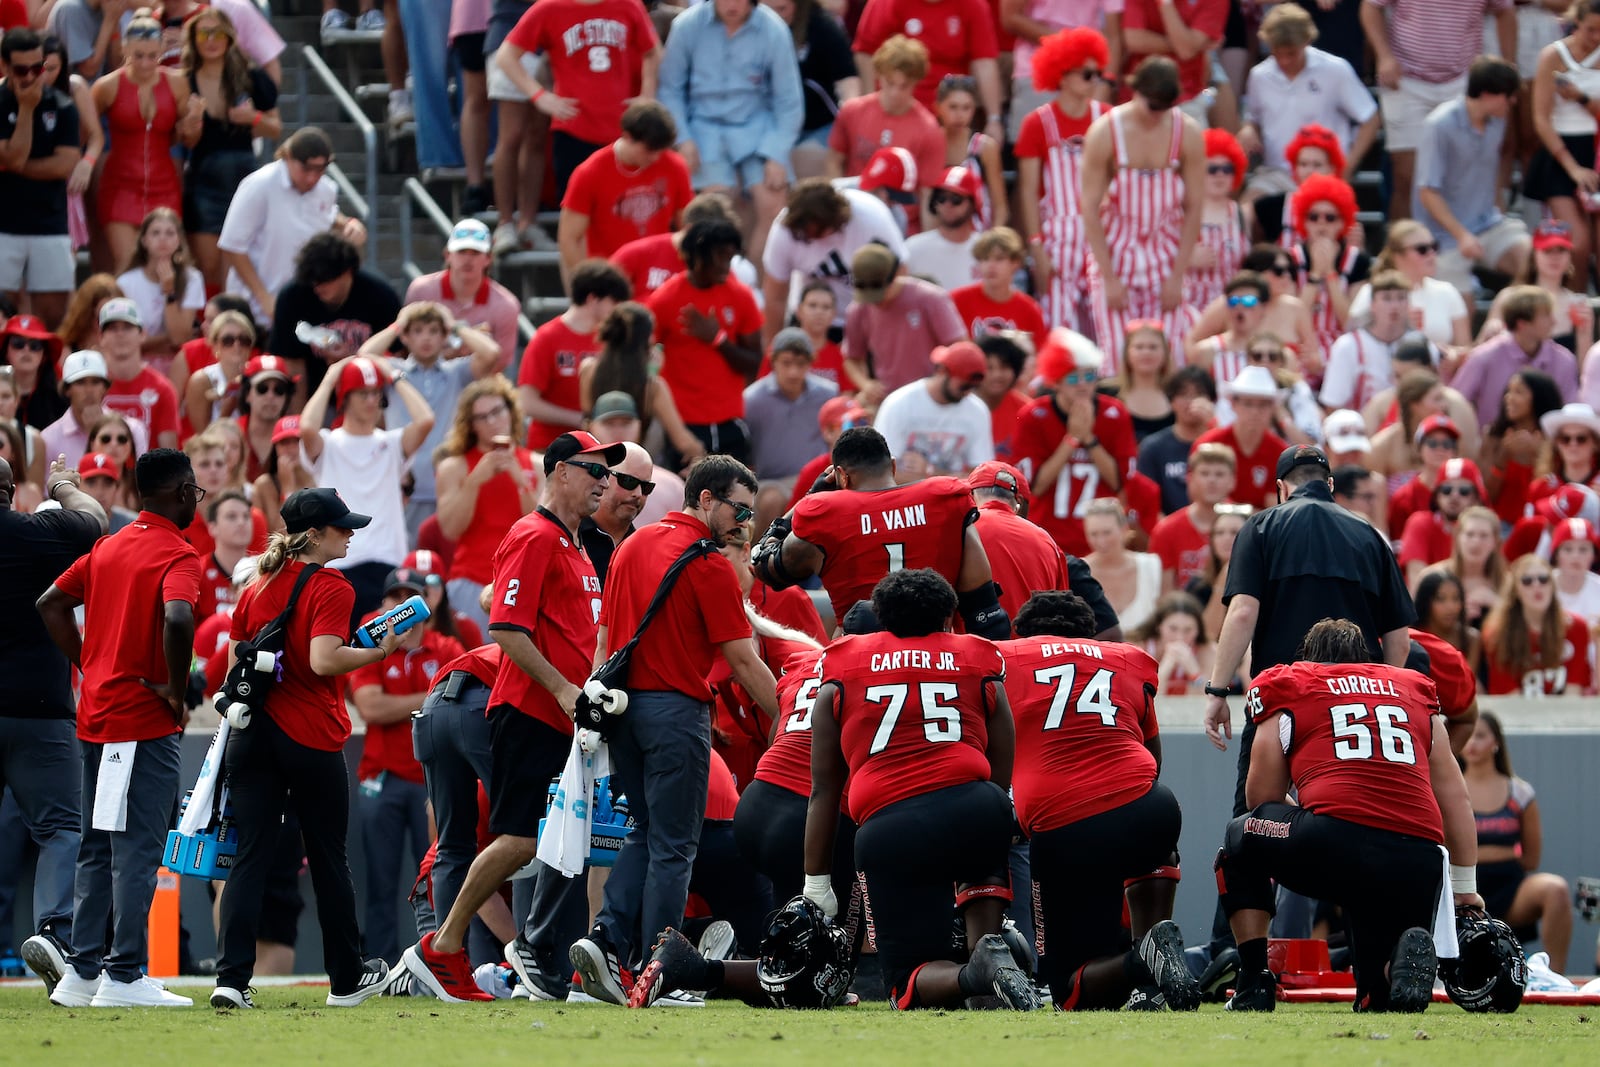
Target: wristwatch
1218, 691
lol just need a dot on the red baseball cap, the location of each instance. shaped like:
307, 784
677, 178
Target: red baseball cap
260, 366
894, 170
359, 373
33, 329
1571, 530
964, 361
1552, 233
997, 474
1457, 470
577, 443
1437, 424
425, 560
961, 181
98, 465
286, 428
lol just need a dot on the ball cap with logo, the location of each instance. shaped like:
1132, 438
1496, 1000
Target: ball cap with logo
359, 373
406, 580
1463, 470
120, 309
578, 443
286, 429
81, 365
97, 465
961, 181
307, 509
963, 361
1571, 501
997, 474
893, 170
1436, 424
1571, 530
267, 367
428, 562
469, 235
1346, 431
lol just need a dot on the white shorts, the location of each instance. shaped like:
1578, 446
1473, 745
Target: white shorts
500, 87
1405, 108
1497, 240
37, 264
1270, 181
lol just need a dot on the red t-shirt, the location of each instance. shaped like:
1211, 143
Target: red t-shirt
309, 707
545, 586
722, 792
787, 761
1574, 673
498, 508
648, 263
624, 207
1257, 483
1074, 764
1451, 673
1003, 419
1022, 557
595, 51
1410, 498
1359, 741
1141, 499
983, 316
148, 397
550, 364
13, 13
706, 390
199, 535
1425, 539
1183, 547
482, 662
863, 535
912, 713
1040, 429
862, 127
955, 32
1209, 17
124, 582
704, 610
405, 672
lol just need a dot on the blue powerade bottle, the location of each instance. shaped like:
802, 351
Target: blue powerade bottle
402, 618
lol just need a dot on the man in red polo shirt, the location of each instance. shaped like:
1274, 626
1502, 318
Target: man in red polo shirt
633, 188
547, 381
546, 603
1429, 535
1176, 28
710, 332
130, 720
1254, 394
661, 751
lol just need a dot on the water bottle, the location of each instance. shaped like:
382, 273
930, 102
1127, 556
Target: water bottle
401, 619
316, 336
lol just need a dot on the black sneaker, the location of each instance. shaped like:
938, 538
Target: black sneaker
475, 200
374, 980
1256, 992
1412, 970
1161, 951
46, 956
536, 971
1220, 974
675, 964
1146, 998
600, 973
226, 998
993, 968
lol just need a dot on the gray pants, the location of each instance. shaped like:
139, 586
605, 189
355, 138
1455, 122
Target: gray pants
395, 813
661, 757
39, 762
450, 737
558, 911
117, 869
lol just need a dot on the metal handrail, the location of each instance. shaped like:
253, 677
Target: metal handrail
365, 206
413, 191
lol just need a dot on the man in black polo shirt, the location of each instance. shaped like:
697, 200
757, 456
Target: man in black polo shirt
38, 742
630, 486
38, 149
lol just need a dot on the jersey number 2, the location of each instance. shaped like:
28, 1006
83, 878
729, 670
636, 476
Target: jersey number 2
940, 722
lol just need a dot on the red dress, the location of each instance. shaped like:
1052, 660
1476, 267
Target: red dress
139, 174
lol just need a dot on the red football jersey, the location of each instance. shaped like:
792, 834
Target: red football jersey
1040, 427
1183, 547
1075, 763
1451, 673
913, 713
1574, 673
864, 535
787, 762
1022, 558
1358, 740
1257, 482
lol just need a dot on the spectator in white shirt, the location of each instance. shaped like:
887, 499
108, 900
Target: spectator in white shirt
944, 253
937, 425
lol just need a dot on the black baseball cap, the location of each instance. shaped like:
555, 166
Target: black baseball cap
306, 509
407, 578
862, 618
578, 443
1300, 456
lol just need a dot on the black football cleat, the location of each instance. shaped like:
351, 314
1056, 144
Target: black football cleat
995, 969
1161, 951
1256, 992
1412, 970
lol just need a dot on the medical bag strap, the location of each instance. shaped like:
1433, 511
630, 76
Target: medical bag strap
623, 655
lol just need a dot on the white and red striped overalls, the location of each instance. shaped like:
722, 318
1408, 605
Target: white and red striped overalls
1143, 219
1227, 363
1228, 243
1061, 224
983, 217
1329, 328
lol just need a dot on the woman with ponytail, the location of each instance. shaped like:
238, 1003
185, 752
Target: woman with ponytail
627, 364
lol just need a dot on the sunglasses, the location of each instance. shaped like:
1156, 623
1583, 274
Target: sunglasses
485, 416
27, 70
1091, 74
1080, 377
1535, 579
1244, 300
598, 471
233, 340
1457, 490
1439, 442
742, 513
1426, 249
26, 344
1574, 439
632, 484
1282, 270
112, 439
946, 198
142, 33
1324, 216
1266, 356
1220, 168
210, 33
281, 388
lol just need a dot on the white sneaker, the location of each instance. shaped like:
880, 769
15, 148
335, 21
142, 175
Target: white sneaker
73, 991
333, 20
371, 21
400, 110
505, 239
1541, 979
143, 992
225, 998
679, 998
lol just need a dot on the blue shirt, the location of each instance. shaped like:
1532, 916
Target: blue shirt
1462, 165
750, 77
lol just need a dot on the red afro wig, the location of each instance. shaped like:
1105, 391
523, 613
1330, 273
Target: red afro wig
1224, 144
1314, 190
1315, 136
1066, 51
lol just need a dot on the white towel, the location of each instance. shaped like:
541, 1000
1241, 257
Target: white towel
1445, 946
111, 786
197, 816
564, 844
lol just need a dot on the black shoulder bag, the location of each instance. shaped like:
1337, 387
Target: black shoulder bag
258, 663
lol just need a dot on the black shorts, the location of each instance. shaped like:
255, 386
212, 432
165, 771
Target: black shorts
567, 153
1079, 870
1386, 882
524, 755
468, 48
769, 827
914, 853
1498, 884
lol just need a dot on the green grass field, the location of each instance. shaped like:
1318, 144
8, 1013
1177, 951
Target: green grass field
294, 1027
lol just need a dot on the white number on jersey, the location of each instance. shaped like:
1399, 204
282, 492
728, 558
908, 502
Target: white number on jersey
1094, 700
801, 717
599, 59
512, 585
1071, 474
1353, 736
897, 556
940, 723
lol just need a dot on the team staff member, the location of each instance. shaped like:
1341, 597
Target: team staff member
870, 526
130, 721
1022, 557
292, 756
661, 748
37, 758
546, 603
1378, 793
1087, 797
1292, 565
927, 789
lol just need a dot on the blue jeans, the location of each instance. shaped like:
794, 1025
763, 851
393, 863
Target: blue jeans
426, 24
661, 756
450, 737
39, 762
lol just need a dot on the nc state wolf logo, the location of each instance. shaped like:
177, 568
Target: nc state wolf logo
640, 204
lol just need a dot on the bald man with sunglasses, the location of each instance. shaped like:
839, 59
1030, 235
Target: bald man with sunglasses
631, 485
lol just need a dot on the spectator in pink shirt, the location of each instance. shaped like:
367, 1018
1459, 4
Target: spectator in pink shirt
465, 288
895, 322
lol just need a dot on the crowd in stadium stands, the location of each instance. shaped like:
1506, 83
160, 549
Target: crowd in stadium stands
1115, 256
